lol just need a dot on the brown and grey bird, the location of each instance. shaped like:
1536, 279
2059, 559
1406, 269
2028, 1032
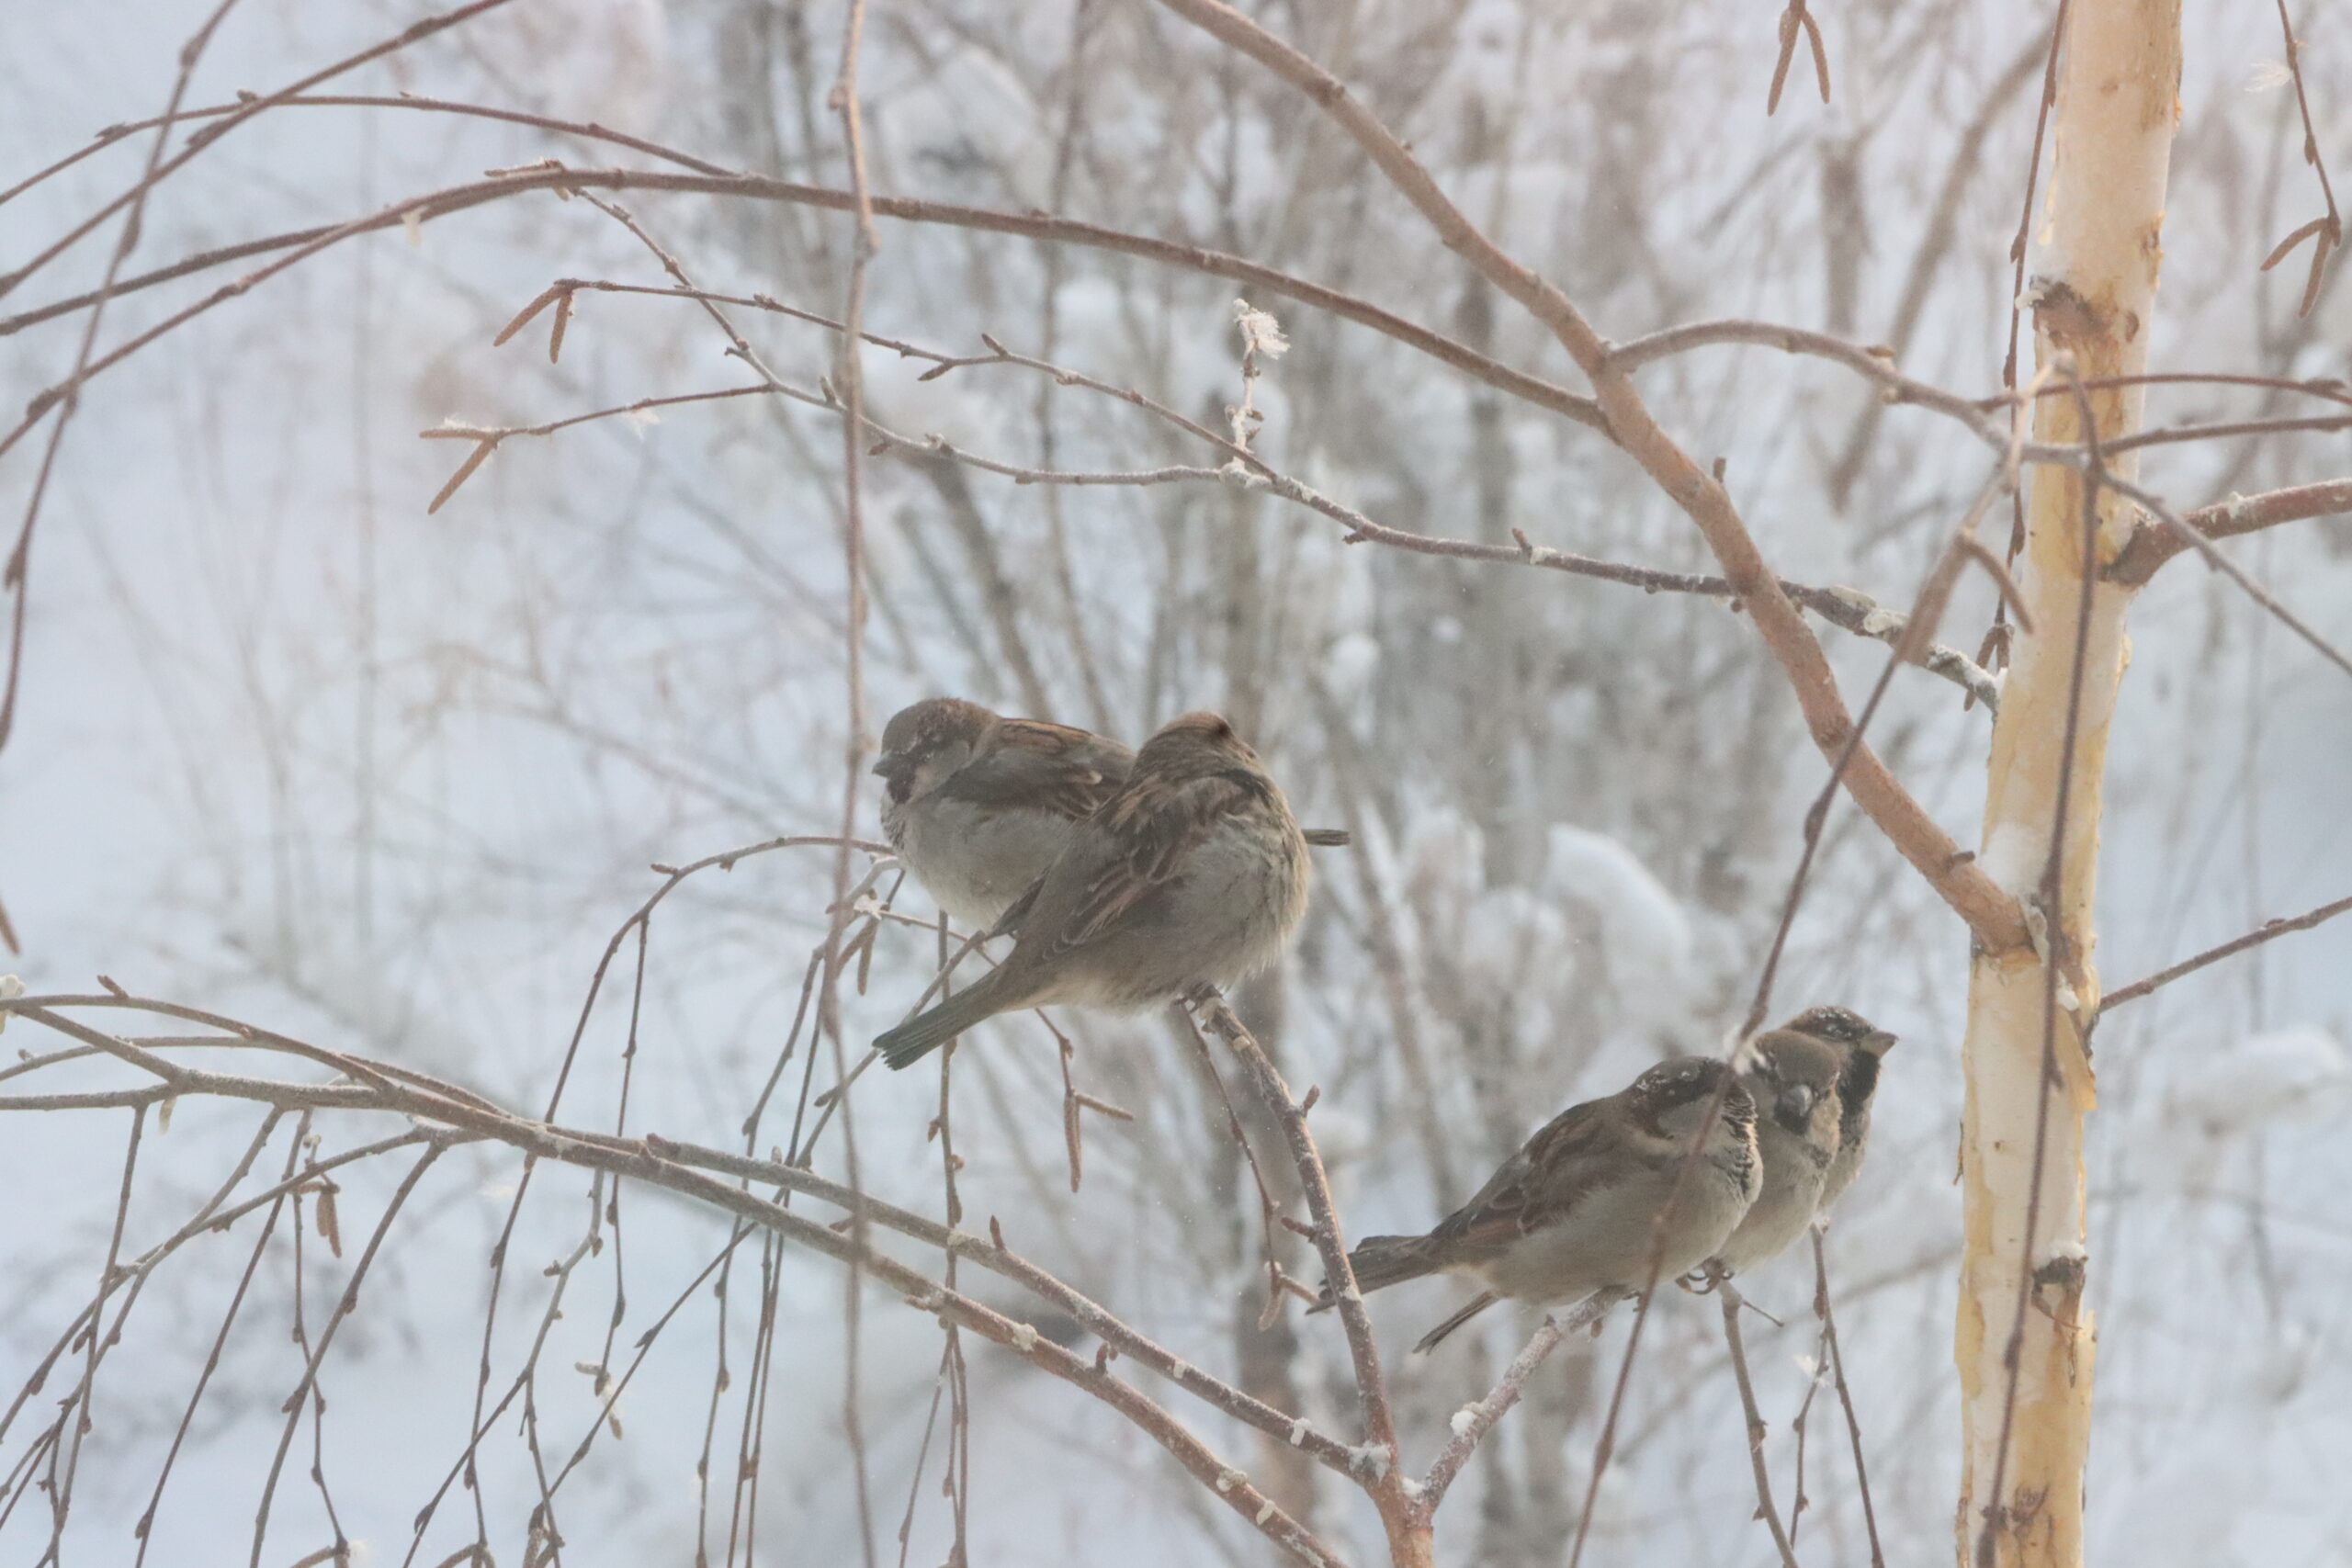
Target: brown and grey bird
978, 806
1592, 1204
1860, 1047
1192, 873
1791, 1074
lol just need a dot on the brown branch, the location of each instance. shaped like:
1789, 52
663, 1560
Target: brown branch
114, 133
1873, 365
1845, 1394
2269, 930
1845, 607
2325, 231
673, 1166
246, 109
1926, 611
1002, 1261
1993, 915
347, 1304
2173, 435
1408, 1533
1795, 20
306, 243
1483, 1413
2151, 544
1765, 1509
2190, 537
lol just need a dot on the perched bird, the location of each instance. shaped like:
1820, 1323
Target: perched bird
1791, 1074
1860, 1045
1583, 1208
978, 806
1193, 873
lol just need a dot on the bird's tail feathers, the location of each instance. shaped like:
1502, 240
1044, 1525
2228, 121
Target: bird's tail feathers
1429, 1341
1380, 1261
926, 1032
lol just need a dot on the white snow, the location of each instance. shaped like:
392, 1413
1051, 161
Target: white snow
1646, 927
2013, 857
2299, 1076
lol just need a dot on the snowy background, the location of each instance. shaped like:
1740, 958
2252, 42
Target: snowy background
291, 749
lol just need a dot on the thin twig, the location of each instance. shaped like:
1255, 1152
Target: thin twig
2268, 931
1845, 1394
1473, 1421
1768, 1510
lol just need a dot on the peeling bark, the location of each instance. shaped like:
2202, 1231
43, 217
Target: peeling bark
2025, 1343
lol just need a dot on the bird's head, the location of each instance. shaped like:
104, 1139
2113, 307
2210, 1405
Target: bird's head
924, 743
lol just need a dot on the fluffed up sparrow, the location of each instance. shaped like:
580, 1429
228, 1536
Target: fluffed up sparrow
978, 806
1578, 1210
1193, 873
1792, 1074
1861, 1045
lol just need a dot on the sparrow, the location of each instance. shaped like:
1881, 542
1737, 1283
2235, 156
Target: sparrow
1860, 1047
1791, 1074
978, 806
1193, 873
1584, 1208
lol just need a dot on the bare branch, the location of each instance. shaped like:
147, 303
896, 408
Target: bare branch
1408, 1534
1769, 1511
1473, 1421
2151, 544
1992, 914
2269, 930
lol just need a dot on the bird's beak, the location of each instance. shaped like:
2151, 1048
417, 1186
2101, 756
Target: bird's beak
886, 765
1795, 1107
1879, 1041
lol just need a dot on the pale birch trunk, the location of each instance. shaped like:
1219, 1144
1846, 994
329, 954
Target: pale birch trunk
2096, 257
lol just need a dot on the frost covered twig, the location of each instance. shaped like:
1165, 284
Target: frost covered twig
1408, 1531
1473, 1422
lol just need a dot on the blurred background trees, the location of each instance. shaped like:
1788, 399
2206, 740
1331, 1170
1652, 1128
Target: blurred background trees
288, 745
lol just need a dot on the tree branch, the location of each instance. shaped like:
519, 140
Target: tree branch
2152, 543
2267, 931
453, 199
1765, 1509
659, 1163
1408, 1535
1991, 913
1473, 1421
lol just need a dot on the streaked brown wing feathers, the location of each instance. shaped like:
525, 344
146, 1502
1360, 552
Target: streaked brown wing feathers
1154, 826
1535, 1186
1046, 767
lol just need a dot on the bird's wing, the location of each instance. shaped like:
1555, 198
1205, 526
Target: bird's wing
1560, 1164
1046, 767
1148, 831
